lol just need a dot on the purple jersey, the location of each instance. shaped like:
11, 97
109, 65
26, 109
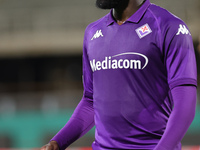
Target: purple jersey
129, 70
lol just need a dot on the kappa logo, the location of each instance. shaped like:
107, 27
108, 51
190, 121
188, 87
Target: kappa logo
97, 35
143, 31
183, 30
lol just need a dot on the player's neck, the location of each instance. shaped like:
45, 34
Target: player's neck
126, 10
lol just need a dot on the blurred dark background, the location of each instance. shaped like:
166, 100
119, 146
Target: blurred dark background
41, 66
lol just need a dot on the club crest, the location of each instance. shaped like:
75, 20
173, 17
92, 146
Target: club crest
143, 31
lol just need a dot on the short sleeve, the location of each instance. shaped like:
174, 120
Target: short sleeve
180, 56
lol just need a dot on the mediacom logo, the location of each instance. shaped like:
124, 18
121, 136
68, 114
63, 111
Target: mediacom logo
111, 62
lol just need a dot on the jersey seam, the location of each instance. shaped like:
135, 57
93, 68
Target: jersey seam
92, 25
182, 81
159, 29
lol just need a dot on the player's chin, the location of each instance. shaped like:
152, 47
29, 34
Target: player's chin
107, 4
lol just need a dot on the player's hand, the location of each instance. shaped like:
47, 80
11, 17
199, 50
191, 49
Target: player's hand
53, 145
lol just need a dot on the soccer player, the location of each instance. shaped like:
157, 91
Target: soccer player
139, 77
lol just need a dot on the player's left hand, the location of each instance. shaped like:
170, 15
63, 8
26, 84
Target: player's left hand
53, 145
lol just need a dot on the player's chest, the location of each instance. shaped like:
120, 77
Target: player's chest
137, 43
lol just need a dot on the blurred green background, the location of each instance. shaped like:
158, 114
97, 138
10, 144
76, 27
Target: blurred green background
41, 66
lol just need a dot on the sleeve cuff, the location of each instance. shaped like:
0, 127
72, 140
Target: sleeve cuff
60, 145
182, 81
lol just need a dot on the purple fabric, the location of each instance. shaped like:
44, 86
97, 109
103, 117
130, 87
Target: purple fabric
82, 119
130, 74
133, 73
184, 98
80, 123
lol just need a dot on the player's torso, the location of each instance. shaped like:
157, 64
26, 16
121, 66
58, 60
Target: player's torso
130, 41
128, 80
119, 53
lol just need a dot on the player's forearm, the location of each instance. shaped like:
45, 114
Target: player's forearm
181, 117
80, 123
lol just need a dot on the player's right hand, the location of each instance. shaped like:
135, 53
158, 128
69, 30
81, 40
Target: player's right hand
53, 145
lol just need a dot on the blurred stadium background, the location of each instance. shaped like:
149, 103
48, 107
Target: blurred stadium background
41, 66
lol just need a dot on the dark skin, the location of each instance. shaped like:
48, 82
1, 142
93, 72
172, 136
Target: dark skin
125, 10
53, 145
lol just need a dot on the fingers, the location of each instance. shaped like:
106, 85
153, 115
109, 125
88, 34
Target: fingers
53, 145
43, 148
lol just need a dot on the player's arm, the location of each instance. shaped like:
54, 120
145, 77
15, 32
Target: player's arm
182, 78
184, 98
82, 120
80, 123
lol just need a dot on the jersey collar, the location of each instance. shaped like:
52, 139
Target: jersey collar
135, 18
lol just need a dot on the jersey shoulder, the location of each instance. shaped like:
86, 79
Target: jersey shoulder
96, 25
165, 19
164, 15
168, 24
